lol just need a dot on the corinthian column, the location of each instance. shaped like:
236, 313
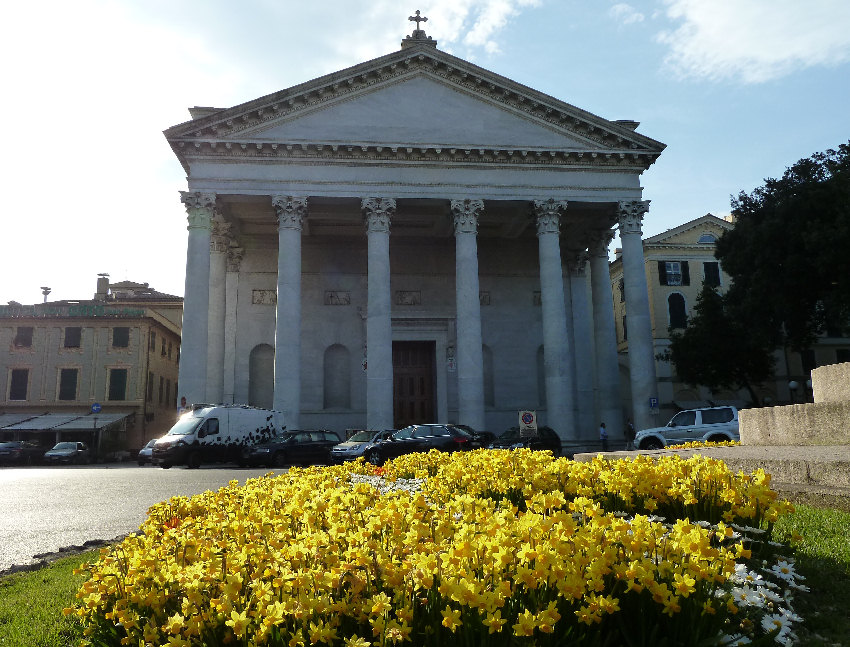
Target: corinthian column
378, 213
219, 241
556, 350
470, 363
605, 336
582, 338
291, 212
192, 375
641, 351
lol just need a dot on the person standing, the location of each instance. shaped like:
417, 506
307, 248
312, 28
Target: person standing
630, 435
603, 436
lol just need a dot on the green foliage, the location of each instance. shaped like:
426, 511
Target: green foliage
31, 605
787, 254
717, 350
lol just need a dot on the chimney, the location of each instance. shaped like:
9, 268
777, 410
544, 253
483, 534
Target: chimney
102, 287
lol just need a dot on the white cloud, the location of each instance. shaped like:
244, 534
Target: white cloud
626, 14
755, 40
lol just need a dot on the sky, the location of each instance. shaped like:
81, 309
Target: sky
738, 90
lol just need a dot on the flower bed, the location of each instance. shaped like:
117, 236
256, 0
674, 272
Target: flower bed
487, 547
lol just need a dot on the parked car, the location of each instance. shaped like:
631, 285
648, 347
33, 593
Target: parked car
20, 452
358, 445
422, 438
484, 437
306, 447
544, 439
68, 452
146, 453
711, 424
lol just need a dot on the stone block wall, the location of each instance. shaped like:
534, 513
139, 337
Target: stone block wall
826, 421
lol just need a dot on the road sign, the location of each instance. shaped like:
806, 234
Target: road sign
95, 408
653, 403
527, 423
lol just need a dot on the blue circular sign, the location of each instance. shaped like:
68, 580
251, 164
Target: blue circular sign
527, 418
95, 408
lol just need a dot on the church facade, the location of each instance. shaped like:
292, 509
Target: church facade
413, 239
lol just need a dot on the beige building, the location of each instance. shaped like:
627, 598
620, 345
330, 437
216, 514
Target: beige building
103, 371
677, 262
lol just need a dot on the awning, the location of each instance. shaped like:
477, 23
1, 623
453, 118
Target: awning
7, 419
65, 421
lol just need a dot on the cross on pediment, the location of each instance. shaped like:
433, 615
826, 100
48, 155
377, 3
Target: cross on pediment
417, 19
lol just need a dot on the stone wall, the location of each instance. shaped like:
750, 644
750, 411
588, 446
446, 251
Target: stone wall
832, 383
823, 422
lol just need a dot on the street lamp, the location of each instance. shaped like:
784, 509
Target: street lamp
793, 385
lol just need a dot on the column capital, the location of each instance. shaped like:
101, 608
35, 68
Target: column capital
577, 261
547, 214
290, 210
200, 208
234, 258
630, 215
599, 241
378, 212
465, 215
221, 235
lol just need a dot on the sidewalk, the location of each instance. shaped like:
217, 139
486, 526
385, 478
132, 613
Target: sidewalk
817, 475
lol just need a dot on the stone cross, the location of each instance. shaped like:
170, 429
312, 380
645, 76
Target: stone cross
417, 19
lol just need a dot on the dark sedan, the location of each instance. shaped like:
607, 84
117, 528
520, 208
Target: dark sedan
20, 452
422, 438
513, 438
305, 447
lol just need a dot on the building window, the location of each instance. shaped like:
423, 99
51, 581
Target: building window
676, 310
117, 384
170, 349
68, 383
167, 392
120, 337
163, 353
711, 271
625, 329
152, 341
18, 384
673, 273
621, 285
150, 386
161, 387
23, 337
73, 337
707, 239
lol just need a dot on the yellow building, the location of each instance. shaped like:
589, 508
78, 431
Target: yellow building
677, 262
102, 371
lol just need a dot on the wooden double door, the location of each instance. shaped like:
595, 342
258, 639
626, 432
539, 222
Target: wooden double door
413, 382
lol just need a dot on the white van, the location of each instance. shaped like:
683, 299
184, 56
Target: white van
712, 424
212, 433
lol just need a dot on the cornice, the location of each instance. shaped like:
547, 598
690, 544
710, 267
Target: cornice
221, 150
223, 127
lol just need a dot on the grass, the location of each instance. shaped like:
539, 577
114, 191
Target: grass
31, 603
823, 556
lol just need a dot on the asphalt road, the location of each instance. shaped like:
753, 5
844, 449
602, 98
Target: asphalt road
43, 509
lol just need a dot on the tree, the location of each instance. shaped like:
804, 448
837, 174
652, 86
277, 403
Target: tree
788, 252
717, 350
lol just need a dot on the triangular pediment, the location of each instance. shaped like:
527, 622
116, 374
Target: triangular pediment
418, 99
419, 110
693, 232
